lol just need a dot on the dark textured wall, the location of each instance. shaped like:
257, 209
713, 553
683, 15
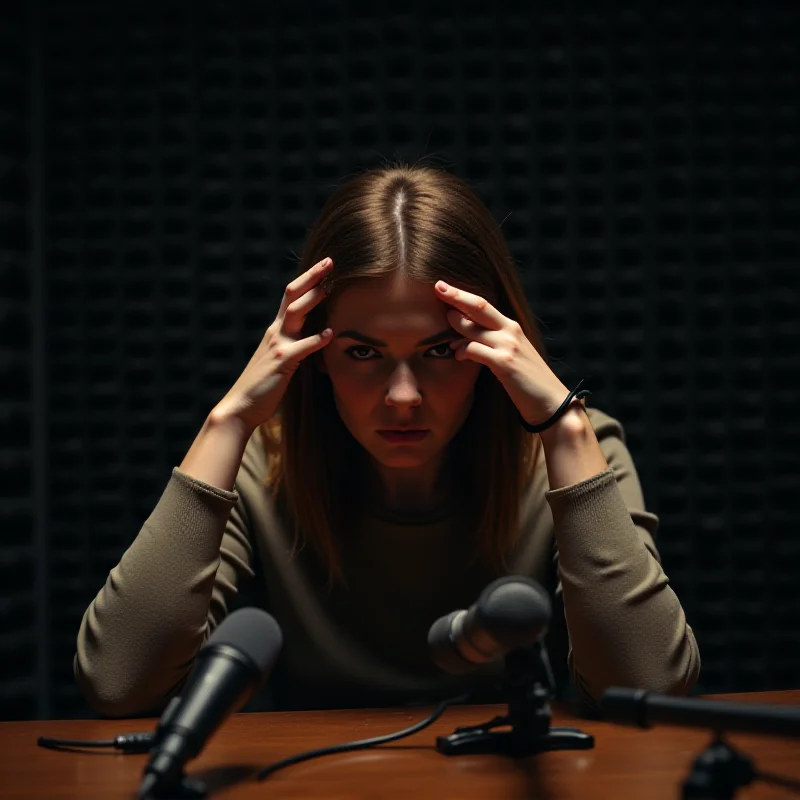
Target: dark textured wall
168, 157
21, 548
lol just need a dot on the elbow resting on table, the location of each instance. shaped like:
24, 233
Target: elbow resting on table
676, 677
109, 699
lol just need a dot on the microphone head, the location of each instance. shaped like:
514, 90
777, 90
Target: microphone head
443, 649
514, 610
511, 612
254, 633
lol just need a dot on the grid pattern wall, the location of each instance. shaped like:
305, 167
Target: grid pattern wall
644, 165
18, 657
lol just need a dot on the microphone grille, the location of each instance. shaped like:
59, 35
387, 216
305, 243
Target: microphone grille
515, 610
443, 649
252, 631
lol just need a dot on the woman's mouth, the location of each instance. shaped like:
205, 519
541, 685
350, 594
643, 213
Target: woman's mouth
404, 437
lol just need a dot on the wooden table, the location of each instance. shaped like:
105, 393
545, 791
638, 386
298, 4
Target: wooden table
624, 763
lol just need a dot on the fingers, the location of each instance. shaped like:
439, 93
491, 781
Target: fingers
299, 287
473, 306
305, 347
295, 316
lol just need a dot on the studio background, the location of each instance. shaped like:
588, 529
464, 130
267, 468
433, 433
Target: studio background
160, 163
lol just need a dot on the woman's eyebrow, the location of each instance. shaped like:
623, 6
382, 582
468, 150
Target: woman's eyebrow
448, 334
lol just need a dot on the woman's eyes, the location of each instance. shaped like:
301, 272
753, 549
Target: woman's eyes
351, 351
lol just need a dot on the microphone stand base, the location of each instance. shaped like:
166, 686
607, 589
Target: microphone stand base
718, 772
182, 789
464, 741
530, 684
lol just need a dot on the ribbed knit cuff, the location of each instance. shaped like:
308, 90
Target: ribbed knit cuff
589, 517
592, 522
578, 490
205, 488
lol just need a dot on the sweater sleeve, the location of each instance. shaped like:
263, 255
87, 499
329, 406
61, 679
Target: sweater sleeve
138, 638
625, 623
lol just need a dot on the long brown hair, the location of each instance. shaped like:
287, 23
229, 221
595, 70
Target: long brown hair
429, 225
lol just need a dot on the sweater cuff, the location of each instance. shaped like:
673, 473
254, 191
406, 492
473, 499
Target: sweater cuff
587, 511
202, 487
592, 522
567, 495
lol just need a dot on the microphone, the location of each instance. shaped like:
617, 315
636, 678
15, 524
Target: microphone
229, 669
643, 708
511, 612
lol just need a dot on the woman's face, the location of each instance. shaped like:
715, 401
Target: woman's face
391, 366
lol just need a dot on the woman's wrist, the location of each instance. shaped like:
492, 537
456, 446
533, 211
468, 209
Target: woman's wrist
571, 450
222, 417
216, 453
571, 424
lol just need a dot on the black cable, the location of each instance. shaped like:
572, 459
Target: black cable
127, 742
143, 742
362, 744
779, 780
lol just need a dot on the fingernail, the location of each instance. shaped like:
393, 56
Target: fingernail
442, 287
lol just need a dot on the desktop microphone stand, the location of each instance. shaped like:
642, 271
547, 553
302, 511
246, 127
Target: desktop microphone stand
181, 787
530, 686
718, 772
720, 769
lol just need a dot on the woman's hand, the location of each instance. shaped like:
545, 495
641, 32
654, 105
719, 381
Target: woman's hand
492, 339
256, 394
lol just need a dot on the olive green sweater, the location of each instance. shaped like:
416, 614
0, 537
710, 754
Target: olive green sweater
204, 551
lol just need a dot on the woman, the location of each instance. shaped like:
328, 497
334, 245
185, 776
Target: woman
390, 480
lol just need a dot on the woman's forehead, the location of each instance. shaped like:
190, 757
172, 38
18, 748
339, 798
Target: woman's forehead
389, 294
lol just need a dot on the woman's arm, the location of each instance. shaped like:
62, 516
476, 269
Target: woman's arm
572, 452
626, 625
173, 585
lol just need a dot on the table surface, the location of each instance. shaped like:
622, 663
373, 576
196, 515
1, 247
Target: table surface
626, 762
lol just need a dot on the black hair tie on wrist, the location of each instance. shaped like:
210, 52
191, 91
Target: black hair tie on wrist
561, 411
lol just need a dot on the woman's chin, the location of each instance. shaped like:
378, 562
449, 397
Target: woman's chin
400, 459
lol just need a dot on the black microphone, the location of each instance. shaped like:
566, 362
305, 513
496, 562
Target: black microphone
644, 708
511, 612
229, 669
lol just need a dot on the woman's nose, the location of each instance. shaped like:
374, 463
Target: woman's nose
403, 387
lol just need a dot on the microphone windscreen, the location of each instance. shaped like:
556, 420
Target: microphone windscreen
443, 649
515, 610
252, 631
